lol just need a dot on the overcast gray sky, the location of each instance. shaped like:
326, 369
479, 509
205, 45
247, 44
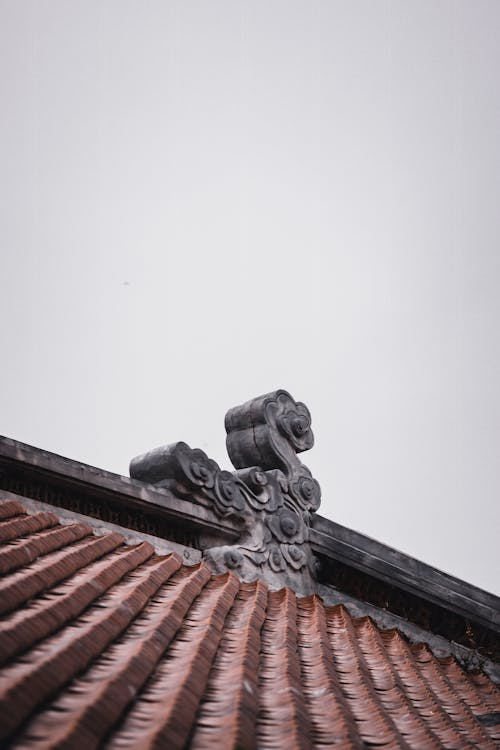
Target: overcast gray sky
204, 201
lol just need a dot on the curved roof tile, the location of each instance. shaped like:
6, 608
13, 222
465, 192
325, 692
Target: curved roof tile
108, 645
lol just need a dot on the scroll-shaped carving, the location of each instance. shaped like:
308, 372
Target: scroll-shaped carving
271, 495
269, 431
188, 472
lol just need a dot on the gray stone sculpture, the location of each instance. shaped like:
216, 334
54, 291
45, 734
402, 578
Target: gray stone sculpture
272, 494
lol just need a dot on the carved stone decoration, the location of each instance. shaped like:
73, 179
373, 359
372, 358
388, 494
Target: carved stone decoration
189, 473
269, 431
271, 496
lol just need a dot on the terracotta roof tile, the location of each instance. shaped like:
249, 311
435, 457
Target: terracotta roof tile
13, 528
50, 569
25, 551
103, 644
10, 509
230, 701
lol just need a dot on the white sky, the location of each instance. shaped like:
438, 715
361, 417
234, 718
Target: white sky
204, 201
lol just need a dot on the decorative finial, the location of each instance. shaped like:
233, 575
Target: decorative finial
272, 493
269, 431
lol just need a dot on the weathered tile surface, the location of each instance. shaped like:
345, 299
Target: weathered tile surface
107, 645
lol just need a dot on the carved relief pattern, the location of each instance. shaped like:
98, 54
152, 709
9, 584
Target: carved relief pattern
269, 431
272, 494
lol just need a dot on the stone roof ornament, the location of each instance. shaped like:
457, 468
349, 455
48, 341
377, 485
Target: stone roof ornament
271, 493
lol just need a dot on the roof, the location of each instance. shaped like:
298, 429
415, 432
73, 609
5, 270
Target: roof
190, 606
369, 577
108, 644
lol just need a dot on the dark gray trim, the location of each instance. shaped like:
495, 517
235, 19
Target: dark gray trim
336, 542
104, 486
